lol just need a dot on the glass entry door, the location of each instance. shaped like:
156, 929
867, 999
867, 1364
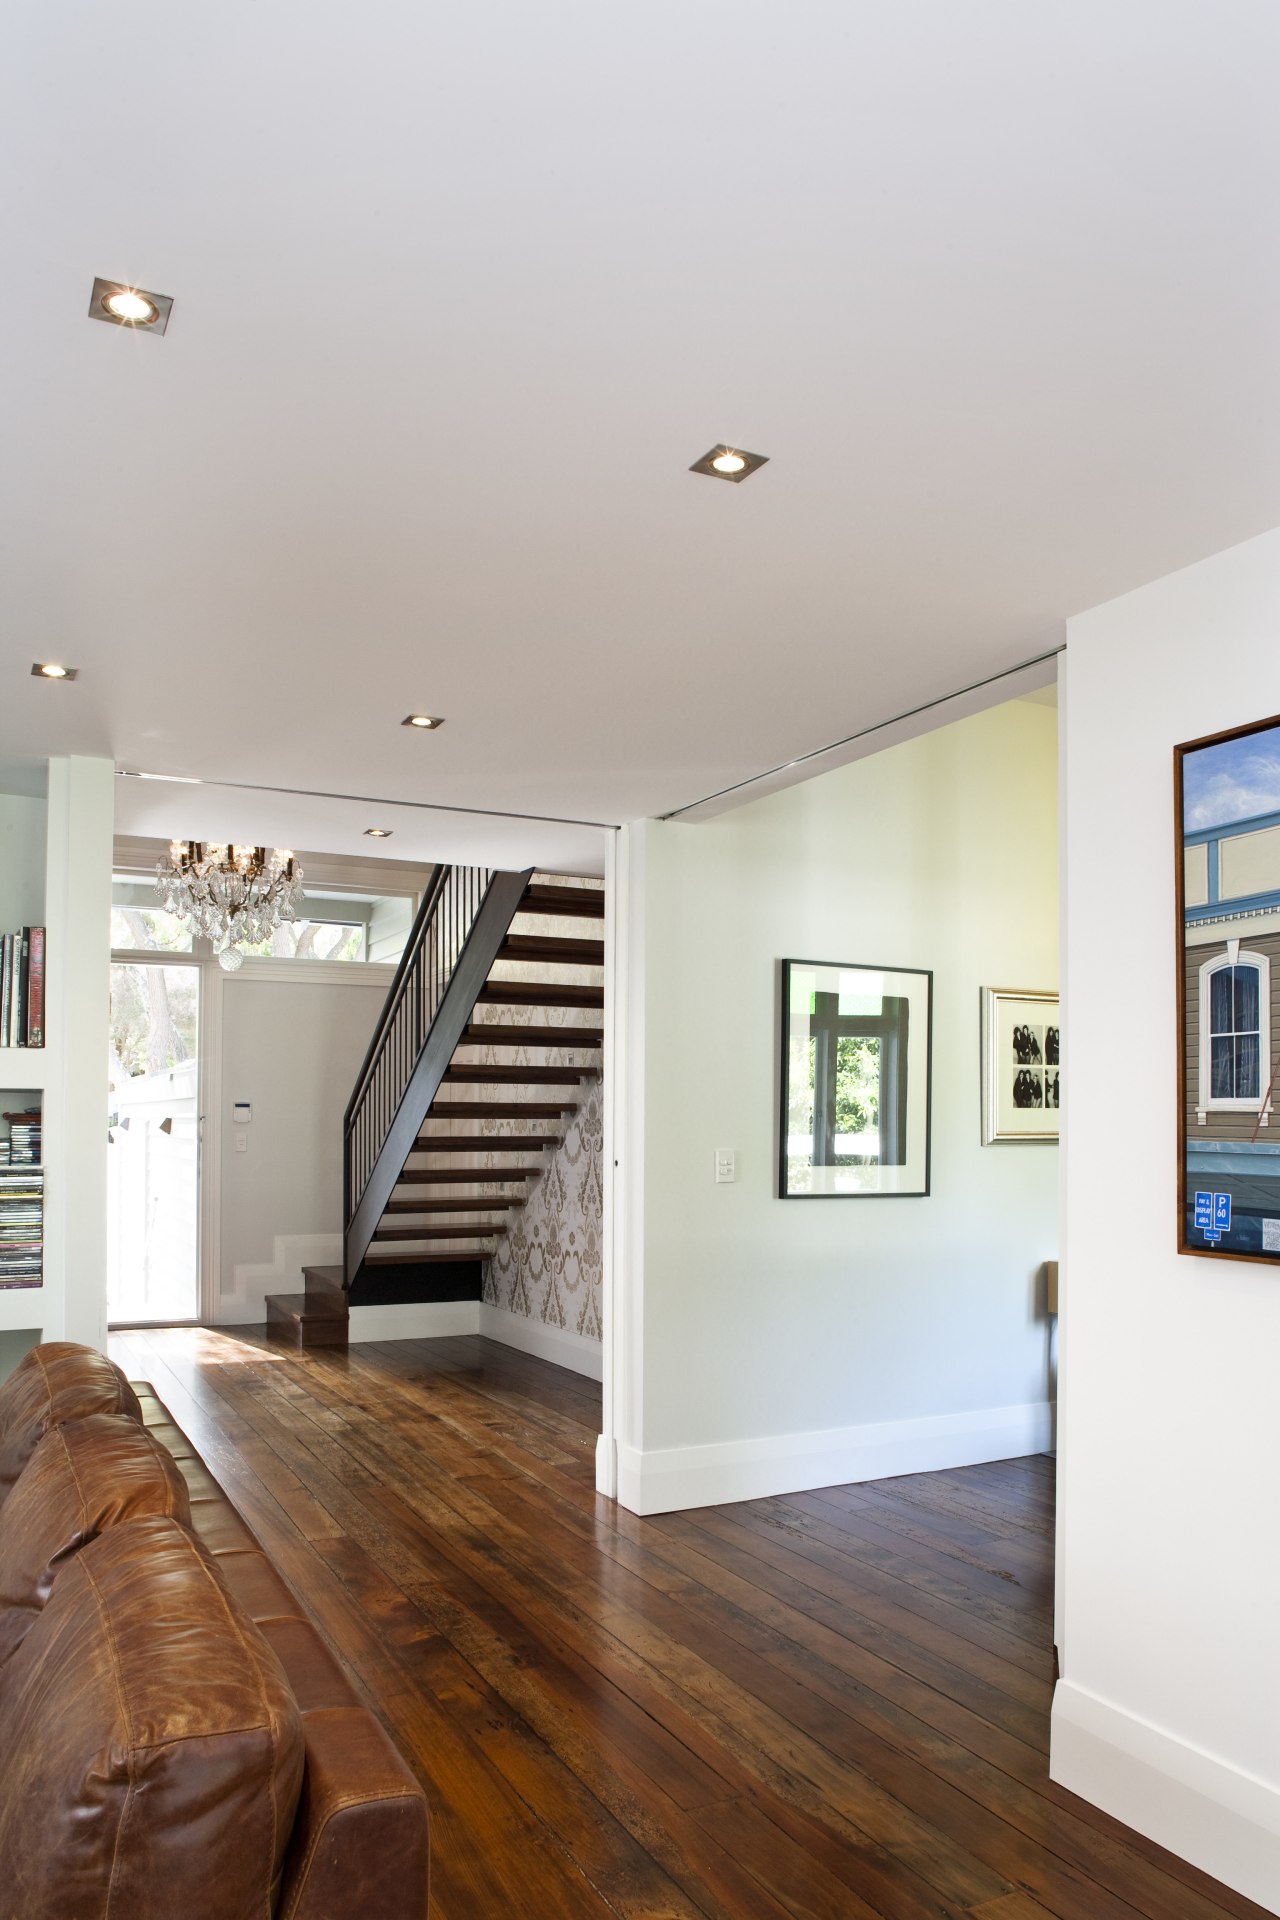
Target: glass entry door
153, 1159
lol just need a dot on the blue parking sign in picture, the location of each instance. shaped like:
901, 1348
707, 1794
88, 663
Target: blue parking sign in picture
1204, 1213
1222, 1212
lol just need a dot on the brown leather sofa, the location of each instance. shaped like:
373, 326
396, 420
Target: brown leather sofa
176, 1740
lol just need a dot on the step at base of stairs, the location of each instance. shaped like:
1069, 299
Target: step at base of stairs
296, 1320
324, 1286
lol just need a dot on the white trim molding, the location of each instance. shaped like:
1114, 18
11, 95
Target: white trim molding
1222, 1820
557, 1344
669, 1479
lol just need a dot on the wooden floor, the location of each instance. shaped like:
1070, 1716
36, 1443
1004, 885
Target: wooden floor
832, 1706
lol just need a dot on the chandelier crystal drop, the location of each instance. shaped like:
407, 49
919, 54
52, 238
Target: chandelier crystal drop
230, 893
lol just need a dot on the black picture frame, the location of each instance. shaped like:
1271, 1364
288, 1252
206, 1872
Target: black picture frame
891, 1158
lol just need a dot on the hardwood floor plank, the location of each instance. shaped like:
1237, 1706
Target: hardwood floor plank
831, 1706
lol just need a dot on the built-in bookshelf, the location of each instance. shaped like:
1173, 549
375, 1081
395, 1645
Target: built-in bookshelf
56, 821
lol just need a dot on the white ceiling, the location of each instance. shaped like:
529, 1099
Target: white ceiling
460, 291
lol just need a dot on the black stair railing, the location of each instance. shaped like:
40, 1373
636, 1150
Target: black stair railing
463, 920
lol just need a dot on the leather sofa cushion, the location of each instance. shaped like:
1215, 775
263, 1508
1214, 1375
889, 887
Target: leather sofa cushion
152, 1749
55, 1382
84, 1476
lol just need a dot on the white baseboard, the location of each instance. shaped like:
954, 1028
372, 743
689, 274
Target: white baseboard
665, 1480
414, 1320
1223, 1821
246, 1304
606, 1466
559, 1344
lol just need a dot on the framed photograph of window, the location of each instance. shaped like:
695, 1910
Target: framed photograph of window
1227, 839
1021, 1066
856, 1055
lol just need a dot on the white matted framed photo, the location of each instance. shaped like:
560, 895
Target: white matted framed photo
856, 1046
1021, 1066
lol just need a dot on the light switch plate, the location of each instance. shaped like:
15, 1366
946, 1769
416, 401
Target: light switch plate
726, 1164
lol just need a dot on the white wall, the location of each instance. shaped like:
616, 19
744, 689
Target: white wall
22, 861
793, 1343
1169, 1546
291, 1046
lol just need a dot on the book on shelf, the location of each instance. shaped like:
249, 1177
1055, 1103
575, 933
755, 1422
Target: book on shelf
21, 1148
22, 988
21, 1226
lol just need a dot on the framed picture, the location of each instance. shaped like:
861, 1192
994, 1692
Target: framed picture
1021, 1066
1227, 843
856, 1055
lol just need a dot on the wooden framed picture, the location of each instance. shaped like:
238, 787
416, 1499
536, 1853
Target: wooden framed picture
856, 1055
1021, 1066
1227, 840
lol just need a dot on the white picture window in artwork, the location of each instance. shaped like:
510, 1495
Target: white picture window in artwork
1235, 990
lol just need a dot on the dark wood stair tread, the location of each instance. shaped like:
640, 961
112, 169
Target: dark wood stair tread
304, 1322
538, 993
583, 903
499, 1033
501, 1109
455, 1259
514, 1076
554, 947
457, 1176
480, 1232
301, 1306
327, 1279
503, 1143
466, 1203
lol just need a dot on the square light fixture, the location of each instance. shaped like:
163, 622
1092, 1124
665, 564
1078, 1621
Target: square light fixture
122, 305
51, 670
729, 463
378, 833
425, 722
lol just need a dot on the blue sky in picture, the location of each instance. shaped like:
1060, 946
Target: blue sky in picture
1231, 781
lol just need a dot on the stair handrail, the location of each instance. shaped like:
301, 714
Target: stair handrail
395, 992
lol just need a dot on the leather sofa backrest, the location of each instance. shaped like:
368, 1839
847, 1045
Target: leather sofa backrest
56, 1382
83, 1477
152, 1748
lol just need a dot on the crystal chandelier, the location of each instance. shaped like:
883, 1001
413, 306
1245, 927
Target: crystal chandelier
230, 893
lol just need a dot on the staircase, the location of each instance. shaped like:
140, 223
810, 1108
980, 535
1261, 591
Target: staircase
492, 1028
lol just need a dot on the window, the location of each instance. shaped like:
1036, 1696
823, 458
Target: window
336, 926
1235, 1000
310, 940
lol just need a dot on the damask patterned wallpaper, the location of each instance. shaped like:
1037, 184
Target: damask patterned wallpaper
548, 1265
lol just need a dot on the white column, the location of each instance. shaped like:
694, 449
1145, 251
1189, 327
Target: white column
78, 998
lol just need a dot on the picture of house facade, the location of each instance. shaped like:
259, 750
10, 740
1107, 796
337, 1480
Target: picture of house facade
1231, 1016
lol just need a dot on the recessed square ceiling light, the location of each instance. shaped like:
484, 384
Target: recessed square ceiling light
729, 463
124, 306
425, 722
377, 833
50, 670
